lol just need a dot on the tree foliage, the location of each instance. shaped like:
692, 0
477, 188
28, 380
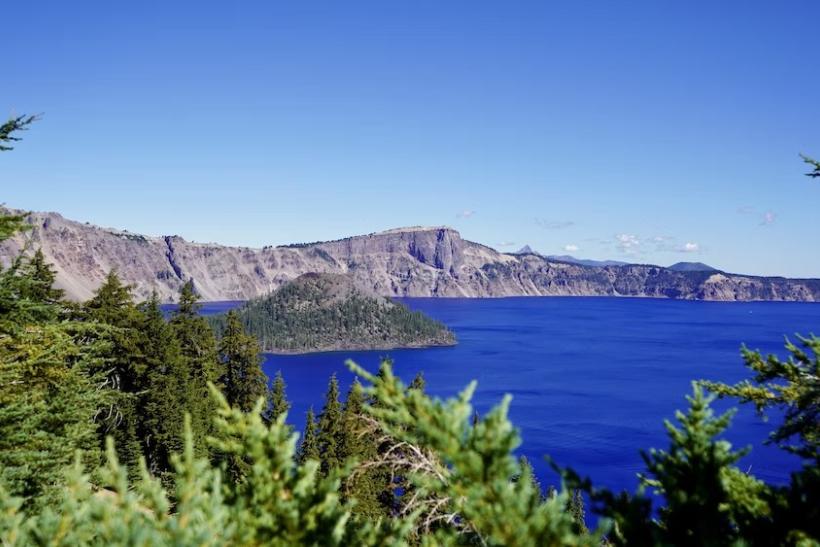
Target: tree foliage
813, 164
199, 353
327, 312
278, 403
10, 130
242, 381
791, 386
329, 437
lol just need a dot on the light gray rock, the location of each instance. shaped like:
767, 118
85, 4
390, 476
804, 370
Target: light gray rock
414, 261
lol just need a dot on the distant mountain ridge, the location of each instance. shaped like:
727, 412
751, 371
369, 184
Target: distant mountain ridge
415, 262
586, 261
692, 267
678, 266
526, 249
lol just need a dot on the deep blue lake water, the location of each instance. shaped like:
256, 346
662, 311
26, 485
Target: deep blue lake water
592, 378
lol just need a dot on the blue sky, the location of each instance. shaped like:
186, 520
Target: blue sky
649, 131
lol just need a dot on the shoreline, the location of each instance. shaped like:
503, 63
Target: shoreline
357, 349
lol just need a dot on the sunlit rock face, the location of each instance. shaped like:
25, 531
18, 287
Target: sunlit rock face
417, 261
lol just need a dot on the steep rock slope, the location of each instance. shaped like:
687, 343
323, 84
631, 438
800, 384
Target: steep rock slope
404, 262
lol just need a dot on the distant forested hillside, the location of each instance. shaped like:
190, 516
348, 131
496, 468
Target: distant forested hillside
326, 312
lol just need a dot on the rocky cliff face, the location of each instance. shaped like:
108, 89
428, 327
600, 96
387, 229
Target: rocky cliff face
403, 262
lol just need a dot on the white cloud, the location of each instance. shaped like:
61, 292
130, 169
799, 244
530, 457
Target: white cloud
466, 213
627, 243
506, 244
570, 248
768, 218
689, 247
554, 224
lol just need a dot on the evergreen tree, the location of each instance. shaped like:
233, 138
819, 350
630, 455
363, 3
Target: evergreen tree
12, 224
48, 391
41, 276
353, 443
369, 486
163, 398
463, 474
199, 353
792, 388
277, 399
330, 428
11, 127
22, 297
576, 509
112, 305
418, 382
48, 401
528, 474
814, 165
309, 447
243, 381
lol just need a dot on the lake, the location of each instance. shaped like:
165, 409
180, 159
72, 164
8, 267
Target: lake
591, 378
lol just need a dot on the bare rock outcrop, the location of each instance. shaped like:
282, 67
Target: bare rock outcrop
414, 261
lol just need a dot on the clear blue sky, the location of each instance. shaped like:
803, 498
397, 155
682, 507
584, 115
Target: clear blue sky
624, 130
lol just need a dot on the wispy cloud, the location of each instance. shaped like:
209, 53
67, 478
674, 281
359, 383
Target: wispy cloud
554, 224
664, 243
570, 248
689, 247
466, 213
627, 243
768, 218
506, 244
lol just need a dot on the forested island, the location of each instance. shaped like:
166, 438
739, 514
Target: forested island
330, 312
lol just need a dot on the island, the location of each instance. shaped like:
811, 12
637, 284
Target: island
319, 312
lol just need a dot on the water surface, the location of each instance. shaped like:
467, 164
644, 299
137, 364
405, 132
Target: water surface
591, 378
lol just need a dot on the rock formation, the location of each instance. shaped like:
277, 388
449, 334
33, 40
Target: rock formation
403, 262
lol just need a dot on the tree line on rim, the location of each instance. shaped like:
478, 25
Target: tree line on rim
118, 426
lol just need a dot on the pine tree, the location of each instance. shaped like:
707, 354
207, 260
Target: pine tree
199, 353
277, 399
528, 475
369, 486
309, 447
243, 381
163, 399
576, 509
41, 276
48, 401
48, 392
113, 305
330, 428
11, 127
418, 382
12, 224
